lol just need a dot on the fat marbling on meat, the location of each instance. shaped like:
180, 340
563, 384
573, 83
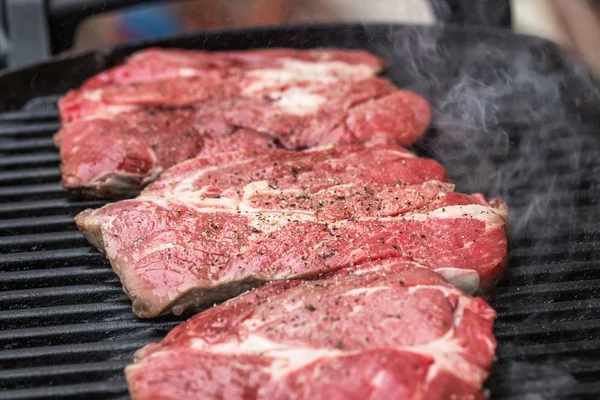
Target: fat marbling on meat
125, 126
385, 330
214, 226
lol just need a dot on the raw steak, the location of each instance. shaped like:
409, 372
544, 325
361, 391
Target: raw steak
385, 331
125, 151
212, 227
117, 157
133, 128
178, 77
282, 64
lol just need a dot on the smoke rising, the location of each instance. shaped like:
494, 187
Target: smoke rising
506, 121
516, 119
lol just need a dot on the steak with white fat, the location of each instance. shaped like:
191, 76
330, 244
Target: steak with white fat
379, 332
214, 226
125, 126
273, 67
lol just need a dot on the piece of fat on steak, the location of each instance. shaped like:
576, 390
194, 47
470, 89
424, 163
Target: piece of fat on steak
214, 226
122, 129
382, 331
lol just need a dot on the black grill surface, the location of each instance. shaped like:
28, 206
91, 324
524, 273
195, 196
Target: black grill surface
512, 123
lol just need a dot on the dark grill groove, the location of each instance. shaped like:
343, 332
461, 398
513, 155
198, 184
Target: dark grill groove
25, 145
31, 160
107, 388
29, 176
33, 192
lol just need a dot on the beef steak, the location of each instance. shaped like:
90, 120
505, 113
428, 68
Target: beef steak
280, 65
133, 127
382, 331
213, 226
179, 77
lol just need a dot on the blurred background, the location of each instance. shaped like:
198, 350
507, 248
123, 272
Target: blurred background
574, 24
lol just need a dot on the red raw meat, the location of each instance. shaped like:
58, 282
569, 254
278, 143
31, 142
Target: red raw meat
126, 151
118, 157
214, 226
177, 77
382, 331
302, 117
156, 63
134, 126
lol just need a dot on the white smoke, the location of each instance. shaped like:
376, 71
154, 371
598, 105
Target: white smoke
506, 121
513, 119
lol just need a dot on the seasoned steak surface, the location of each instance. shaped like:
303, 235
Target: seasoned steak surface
381, 331
214, 226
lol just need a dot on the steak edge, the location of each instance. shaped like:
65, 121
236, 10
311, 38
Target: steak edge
381, 331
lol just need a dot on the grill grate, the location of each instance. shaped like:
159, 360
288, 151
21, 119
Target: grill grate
68, 331
66, 327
